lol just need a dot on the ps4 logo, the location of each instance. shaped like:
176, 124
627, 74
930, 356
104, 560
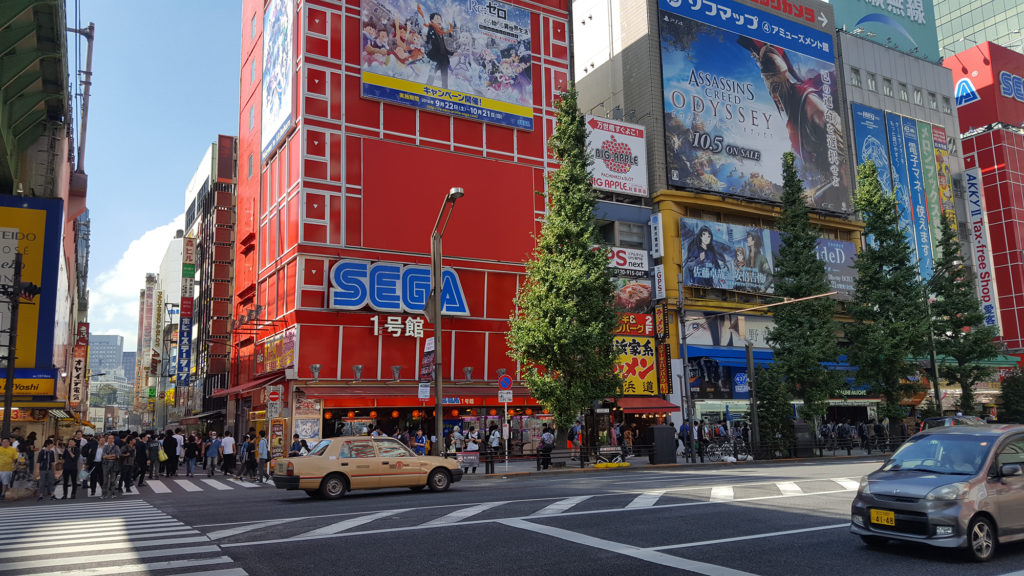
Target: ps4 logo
392, 287
965, 92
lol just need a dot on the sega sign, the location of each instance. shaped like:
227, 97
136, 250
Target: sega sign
391, 287
1011, 86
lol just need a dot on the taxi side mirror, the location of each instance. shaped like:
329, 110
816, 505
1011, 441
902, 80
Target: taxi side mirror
1007, 470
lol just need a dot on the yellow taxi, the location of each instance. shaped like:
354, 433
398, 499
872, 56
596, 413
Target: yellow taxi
336, 465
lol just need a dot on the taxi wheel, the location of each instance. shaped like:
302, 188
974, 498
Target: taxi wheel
333, 487
981, 539
439, 480
874, 541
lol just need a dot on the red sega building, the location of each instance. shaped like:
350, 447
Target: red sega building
350, 138
989, 88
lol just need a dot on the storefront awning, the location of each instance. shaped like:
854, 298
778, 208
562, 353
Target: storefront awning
376, 391
191, 420
250, 385
405, 396
61, 414
652, 405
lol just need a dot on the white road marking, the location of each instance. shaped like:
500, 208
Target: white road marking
217, 535
348, 524
789, 488
847, 483
646, 555
37, 541
561, 506
225, 572
81, 510
27, 552
751, 537
189, 486
147, 568
26, 565
1017, 573
158, 486
216, 484
462, 514
40, 525
645, 500
722, 494
243, 484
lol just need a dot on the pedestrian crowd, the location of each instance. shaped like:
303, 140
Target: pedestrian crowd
117, 462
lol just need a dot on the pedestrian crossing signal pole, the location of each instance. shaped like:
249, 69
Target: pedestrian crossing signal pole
13, 295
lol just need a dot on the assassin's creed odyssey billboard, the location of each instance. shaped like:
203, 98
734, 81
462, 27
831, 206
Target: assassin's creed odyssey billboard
745, 84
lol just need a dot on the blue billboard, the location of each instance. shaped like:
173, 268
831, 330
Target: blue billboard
919, 210
900, 178
908, 26
743, 85
458, 57
872, 143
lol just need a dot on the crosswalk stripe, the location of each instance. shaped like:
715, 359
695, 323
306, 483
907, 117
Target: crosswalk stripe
350, 523
158, 486
226, 572
136, 534
646, 500
462, 514
147, 568
29, 564
217, 535
216, 484
243, 484
560, 506
82, 505
99, 494
29, 525
28, 552
189, 486
847, 483
721, 494
789, 488
58, 531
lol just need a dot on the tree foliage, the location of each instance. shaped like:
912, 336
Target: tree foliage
1013, 398
774, 411
890, 313
961, 338
804, 335
561, 331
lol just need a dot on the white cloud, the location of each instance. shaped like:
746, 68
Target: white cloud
114, 293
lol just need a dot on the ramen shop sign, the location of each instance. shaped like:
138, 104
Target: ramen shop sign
392, 287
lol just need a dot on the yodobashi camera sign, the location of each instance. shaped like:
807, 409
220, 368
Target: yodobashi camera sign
620, 156
392, 287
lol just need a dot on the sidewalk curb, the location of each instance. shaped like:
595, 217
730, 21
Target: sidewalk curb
698, 465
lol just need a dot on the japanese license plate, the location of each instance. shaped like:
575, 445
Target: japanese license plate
885, 517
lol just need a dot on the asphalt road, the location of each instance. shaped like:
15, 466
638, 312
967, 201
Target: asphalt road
754, 519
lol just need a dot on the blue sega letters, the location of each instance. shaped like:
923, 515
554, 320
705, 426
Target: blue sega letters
392, 287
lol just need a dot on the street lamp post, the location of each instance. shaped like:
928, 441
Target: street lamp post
435, 310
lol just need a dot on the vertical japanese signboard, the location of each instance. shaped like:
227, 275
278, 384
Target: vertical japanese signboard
981, 251
188, 274
79, 357
919, 211
634, 346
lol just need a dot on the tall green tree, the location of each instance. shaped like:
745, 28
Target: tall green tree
890, 313
804, 335
962, 340
774, 410
1013, 398
561, 332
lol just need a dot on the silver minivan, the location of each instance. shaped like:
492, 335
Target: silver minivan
952, 487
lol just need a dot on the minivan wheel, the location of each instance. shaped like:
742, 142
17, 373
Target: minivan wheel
981, 539
439, 480
874, 541
333, 487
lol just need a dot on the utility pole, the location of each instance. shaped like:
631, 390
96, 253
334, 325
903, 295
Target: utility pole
13, 294
688, 411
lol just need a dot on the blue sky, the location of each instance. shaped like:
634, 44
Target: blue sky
165, 83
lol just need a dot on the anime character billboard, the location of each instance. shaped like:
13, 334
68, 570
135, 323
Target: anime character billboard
466, 58
727, 256
741, 87
278, 73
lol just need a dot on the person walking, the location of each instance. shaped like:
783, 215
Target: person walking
191, 452
473, 448
227, 452
547, 444
263, 449
212, 454
28, 448
47, 464
141, 460
8, 455
153, 449
493, 447
110, 455
179, 452
93, 456
170, 446
69, 457
127, 465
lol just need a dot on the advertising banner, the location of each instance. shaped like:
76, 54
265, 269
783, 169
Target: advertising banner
900, 178
869, 130
909, 26
743, 85
635, 325
620, 156
184, 351
627, 262
458, 57
636, 365
727, 256
704, 328
278, 351
307, 420
277, 438
922, 233
981, 250
942, 169
33, 227
930, 176
278, 73
79, 356
664, 356
632, 294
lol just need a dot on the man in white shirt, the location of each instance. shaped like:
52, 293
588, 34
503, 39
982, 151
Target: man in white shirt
181, 442
227, 451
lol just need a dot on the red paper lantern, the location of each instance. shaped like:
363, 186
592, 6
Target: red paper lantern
492, 412
529, 411
328, 415
394, 413
351, 414
373, 413
455, 413
415, 414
